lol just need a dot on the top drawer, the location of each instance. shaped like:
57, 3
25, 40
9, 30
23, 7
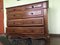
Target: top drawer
32, 6
28, 7
37, 5
15, 9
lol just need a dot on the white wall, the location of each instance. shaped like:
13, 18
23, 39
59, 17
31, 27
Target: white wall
53, 15
10, 3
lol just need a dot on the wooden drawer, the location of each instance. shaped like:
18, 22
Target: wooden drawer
20, 10
26, 22
28, 7
37, 5
25, 14
24, 8
25, 30
15, 9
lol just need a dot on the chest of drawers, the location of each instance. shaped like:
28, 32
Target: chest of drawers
28, 21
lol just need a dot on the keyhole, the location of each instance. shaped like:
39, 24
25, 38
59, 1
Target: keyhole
32, 6
32, 13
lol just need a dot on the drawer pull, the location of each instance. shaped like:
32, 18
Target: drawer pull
32, 13
32, 6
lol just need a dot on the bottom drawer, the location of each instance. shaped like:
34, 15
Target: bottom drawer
25, 30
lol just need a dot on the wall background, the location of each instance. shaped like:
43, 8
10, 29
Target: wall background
53, 13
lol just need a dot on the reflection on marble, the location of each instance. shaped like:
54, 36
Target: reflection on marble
27, 42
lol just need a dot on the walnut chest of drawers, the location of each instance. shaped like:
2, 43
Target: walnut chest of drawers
28, 21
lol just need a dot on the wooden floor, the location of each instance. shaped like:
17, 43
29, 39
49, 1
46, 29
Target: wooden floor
55, 41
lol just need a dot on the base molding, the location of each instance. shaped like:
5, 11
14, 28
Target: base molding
54, 35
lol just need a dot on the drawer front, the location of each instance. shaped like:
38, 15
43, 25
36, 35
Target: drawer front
28, 7
32, 6
15, 9
35, 6
24, 8
25, 30
26, 22
25, 14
